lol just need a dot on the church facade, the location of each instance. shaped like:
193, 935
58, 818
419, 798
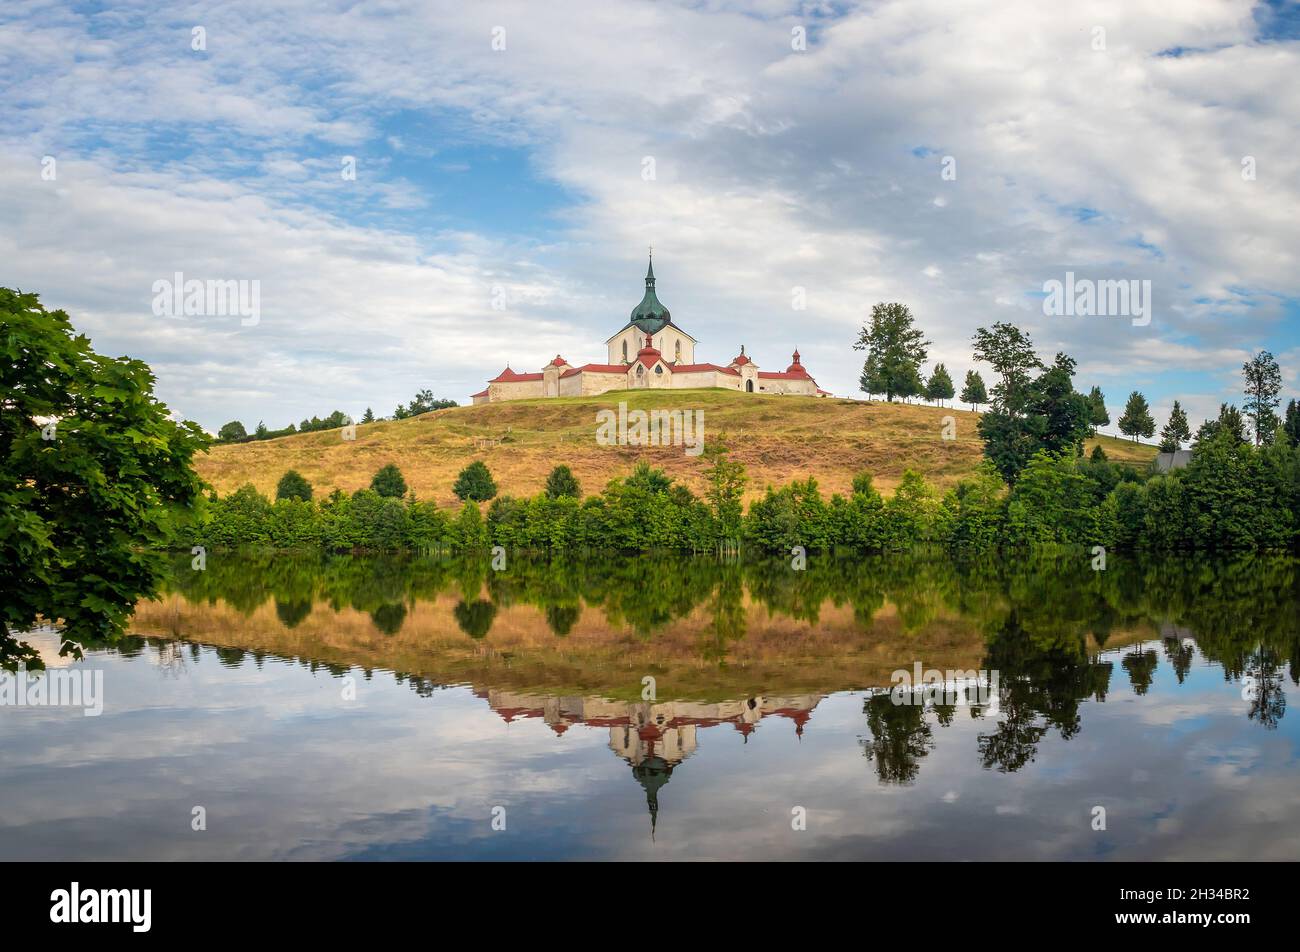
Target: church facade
649, 352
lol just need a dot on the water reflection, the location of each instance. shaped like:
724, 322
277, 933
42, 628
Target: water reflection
709, 632
1156, 688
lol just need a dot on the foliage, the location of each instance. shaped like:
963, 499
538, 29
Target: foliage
1051, 417
1137, 420
423, 402
388, 481
1233, 496
1099, 416
1291, 427
895, 351
293, 485
1176, 432
1010, 352
1263, 383
475, 483
1230, 425
232, 432
562, 482
973, 391
939, 386
93, 474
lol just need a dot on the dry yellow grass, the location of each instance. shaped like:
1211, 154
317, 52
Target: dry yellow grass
777, 438
778, 654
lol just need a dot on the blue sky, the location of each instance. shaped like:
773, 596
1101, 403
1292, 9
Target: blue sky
1101, 139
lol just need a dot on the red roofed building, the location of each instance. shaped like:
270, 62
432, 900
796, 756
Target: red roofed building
650, 352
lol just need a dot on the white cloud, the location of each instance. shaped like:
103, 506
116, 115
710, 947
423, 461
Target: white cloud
775, 168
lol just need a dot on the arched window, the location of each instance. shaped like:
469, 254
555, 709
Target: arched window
679, 351
625, 351
749, 386
659, 368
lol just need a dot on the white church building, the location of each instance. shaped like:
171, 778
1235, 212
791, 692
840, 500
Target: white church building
649, 352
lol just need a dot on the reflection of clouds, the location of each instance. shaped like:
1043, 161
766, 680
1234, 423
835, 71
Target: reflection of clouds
287, 770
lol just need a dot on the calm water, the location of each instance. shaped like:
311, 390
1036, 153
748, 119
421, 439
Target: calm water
357, 708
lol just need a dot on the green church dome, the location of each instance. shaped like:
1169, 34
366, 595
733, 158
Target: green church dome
650, 316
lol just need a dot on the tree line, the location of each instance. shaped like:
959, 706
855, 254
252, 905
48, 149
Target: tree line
1232, 496
423, 402
896, 349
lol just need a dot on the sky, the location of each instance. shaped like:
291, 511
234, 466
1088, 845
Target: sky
514, 162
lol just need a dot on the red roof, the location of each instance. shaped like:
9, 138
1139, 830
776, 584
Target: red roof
597, 369
481, 393
649, 354
508, 376
796, 368
741, 360
558, 361
785, 375
700, 368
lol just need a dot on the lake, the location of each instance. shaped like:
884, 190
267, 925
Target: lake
667, 707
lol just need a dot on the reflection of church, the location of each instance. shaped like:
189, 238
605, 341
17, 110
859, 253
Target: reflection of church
650, 352
653, 737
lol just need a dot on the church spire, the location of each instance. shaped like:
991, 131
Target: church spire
650, 316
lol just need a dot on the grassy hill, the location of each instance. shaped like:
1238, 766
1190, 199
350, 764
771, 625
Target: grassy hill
778, 438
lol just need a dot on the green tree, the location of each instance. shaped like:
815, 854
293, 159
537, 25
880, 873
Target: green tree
1065, 412
475, 482
1230, 425
895, 351
726, 487
562, 482
1052, 416
424, 402
94, 475
1292, 425
1098, 414
1263, 383
293, 485
232, 432
1176, 432
973, 392
368, 416
1137, 420
939, 387
388, 481
1010, 352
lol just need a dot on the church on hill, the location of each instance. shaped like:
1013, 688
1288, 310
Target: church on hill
649, 352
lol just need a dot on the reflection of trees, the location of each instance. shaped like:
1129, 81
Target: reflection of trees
561, 618
291, 614
1266, 695
1043, 678
727, 609
475, 618
229, 657
900, 737
388, 618
1141, 666
1037, 608
1180, 657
